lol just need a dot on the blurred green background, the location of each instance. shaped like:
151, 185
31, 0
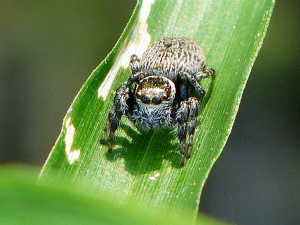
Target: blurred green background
49, 48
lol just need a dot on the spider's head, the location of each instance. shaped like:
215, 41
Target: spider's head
154, 97
155, 90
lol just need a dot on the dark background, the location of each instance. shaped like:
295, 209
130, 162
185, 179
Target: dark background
48, 49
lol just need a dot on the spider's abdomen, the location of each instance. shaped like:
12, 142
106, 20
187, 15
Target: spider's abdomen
172, 55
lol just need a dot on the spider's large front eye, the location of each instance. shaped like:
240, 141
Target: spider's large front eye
145, 99
156, 100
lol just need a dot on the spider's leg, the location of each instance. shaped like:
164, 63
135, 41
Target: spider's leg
182, 116
134, 64
204, 74
191, 125
119, 108
183, 87
193, 81
193, 104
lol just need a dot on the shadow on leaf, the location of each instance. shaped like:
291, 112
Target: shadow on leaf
145, 151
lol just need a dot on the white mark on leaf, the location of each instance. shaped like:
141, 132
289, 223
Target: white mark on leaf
136, 46
72, 155
154, 177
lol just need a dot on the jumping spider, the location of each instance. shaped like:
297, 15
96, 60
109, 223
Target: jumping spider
164, 77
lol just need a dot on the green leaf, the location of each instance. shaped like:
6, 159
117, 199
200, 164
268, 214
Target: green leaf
145, 167
23, 201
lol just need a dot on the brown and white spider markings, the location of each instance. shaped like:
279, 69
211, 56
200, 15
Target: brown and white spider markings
163, 80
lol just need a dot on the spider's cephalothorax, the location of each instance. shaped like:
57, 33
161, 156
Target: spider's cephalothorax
164, 77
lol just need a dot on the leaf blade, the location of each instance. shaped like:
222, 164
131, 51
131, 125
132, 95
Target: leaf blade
145, 167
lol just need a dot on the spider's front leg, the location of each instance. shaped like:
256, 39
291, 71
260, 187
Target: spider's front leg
192, 122
186, 117
182, 116
119, 108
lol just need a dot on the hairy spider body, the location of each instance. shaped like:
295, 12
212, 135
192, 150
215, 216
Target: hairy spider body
164, 77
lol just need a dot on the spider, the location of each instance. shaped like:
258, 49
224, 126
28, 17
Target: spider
163, 79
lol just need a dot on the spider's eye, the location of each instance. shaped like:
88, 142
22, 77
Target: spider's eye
165, 97
145, 99
156, 100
